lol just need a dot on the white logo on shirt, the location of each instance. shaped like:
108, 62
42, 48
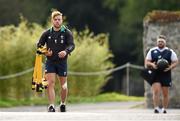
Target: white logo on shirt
149, 71
159, 56
62, 41
155, 51
62, 37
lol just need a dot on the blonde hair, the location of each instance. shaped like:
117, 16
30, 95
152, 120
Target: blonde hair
55, 13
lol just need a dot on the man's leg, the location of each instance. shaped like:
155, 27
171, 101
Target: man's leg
50, 77
156, 90
64, 92
165, 92
64, 89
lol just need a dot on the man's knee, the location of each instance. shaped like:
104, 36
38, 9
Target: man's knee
64, 86
156, 91
165, 95
165, 92
50, 82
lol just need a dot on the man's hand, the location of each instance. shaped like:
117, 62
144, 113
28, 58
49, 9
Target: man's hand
167, 69
154, 66
173, 65
48, 53
150, 64
62, 54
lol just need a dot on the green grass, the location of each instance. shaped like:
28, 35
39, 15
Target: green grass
22, 102
104, 98
108, 97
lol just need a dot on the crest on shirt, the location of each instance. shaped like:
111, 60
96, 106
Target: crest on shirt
159, 57
55, 40
62, 37
62, 41
155, 51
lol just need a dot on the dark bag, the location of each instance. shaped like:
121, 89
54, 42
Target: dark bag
148, 75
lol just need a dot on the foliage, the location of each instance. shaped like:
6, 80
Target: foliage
107, 97
91, 55
122, 19
33, 10
17, 52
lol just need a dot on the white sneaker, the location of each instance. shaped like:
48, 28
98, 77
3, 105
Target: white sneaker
157, 110
163, 110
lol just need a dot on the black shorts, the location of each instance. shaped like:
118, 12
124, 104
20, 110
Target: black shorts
164, 78
59, 68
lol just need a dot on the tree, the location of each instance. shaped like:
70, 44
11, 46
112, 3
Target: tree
33, 10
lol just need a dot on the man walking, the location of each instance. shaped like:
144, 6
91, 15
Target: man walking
162, 80
59, 42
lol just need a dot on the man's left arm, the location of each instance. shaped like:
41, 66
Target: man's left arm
70, 42
174, 61
174, 64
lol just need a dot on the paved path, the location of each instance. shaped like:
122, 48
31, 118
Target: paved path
116, 111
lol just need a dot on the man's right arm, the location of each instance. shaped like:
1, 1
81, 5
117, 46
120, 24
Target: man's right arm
148, 62
42, 40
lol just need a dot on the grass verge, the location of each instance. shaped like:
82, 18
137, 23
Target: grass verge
107, 97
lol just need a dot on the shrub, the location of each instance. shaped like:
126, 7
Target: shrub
91, 55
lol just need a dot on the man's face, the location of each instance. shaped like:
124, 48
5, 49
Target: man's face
161, 43
57, 21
